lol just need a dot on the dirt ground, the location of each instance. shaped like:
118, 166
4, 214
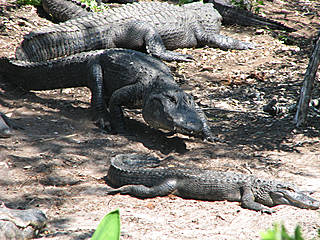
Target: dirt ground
58, 161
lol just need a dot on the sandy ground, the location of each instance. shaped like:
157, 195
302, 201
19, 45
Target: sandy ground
57, 163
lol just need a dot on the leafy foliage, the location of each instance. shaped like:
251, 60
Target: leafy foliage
280, 233
93, 5
29, 2
109, 227
181, 2
243, 4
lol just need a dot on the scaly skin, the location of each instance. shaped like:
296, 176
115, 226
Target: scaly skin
63, 10
233, 15
20, 224
116, 78
150, 26
136, 175
6, 126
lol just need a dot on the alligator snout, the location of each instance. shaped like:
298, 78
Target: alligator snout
190, 123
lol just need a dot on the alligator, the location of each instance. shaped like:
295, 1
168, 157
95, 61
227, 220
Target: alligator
151, 26
138, 176
20, 224
116, 78
63, 10
6, 126
233, 15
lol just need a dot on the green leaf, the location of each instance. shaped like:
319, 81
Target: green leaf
272, 234
29, 2
109, 227
297, 233
280, 233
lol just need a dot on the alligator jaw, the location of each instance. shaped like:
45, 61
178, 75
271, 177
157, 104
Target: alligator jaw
168, 107
295, 198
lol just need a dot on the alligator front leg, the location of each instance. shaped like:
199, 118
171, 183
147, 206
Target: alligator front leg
206, 132
97, 95
247, 201
125, 96
137, 31
223, 42
141, 191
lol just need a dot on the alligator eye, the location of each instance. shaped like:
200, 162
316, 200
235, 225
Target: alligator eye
290, 189
172, 99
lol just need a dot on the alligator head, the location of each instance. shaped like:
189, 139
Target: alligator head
272, 193
168, 107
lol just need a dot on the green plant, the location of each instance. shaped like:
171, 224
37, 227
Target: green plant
29, 2
109, 227
181, 2
245, 5
279, 232
256, 6
93, 5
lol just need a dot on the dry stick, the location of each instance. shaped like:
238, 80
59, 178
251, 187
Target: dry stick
306, 89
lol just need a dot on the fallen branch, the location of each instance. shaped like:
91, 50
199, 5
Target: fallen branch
306, 90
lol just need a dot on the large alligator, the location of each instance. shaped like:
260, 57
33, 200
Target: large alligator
63, 10
116, 78
136, 175
150, 26
20, 224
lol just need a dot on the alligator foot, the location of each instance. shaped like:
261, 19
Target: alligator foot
170, 56
213, 139
20, 224
103, 123
267, 210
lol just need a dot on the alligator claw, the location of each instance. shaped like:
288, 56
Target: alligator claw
187, 58
267, 210
103, 123
248, 45
121, 190
179, 57
113, 192
211, 138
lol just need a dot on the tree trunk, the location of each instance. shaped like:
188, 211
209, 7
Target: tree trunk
306, 90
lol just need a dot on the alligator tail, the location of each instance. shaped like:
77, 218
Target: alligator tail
21, 54
4, 64
63, 10
232, 15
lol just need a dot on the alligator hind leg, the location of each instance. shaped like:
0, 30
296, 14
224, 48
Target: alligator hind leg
141, 191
